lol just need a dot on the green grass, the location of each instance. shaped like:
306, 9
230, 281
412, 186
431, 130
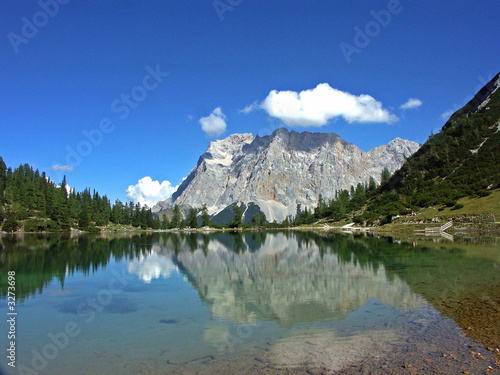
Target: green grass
479, 206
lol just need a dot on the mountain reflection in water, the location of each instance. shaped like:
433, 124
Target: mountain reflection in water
286, 281
286, 298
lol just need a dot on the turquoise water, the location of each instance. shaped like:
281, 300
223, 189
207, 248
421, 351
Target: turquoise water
169, 303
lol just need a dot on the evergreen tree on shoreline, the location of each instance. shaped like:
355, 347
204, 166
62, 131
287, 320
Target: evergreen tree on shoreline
30, 200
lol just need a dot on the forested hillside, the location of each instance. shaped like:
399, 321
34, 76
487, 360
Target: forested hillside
463, 159
29, 200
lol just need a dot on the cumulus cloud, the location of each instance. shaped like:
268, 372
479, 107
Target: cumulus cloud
58, 167
316, 107
411, 104
150, 192
214, 124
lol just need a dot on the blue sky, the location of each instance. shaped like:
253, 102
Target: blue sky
120, 90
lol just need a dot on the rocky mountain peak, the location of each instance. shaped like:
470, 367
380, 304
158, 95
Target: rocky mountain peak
279, 171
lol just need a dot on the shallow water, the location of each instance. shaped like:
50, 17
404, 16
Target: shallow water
244, 303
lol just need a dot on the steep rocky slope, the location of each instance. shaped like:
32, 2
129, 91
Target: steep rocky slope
278, 171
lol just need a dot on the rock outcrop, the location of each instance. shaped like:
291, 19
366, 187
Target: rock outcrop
278, 171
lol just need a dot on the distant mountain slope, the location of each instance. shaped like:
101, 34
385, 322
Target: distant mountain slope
463, 159
278, 171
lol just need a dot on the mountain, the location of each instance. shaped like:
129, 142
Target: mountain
279, 171
461, 160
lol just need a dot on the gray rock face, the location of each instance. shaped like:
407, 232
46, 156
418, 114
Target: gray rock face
281, 170
483, 97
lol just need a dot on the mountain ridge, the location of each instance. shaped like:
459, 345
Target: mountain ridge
281, 170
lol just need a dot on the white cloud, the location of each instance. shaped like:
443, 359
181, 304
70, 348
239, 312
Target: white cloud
316, 107
150, 192
214, 124
152, 266
68, 188
249, 108
58, 167
411, 104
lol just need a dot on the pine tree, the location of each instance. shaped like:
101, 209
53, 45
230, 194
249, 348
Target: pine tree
263, 218
61, 212
39, 192
255, 219
143, 218
10, 224
130, 213
320, 208
165, 223
176, 218
372, 186
237, 219
3, 180
83, 219
136, 216
205, 218
192, 219
298, 213
156, 222
117, 213
385, 176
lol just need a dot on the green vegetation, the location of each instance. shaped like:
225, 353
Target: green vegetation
345, 205
460, 161
29, 200
205, 218
237, 218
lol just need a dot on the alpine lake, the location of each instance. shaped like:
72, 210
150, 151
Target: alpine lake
275, 302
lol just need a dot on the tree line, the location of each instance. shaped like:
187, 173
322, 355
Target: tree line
345, 204
31, 201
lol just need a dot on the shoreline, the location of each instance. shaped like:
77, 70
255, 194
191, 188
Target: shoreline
408, 229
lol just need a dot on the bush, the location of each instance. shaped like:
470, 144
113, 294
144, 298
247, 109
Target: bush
33, 225
37, 225
22, 214
450, 203
52, 226
359, 219
483, 193
10, 225
440, 208
458, 206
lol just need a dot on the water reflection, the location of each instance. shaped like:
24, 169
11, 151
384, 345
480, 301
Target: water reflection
152, 266
285, 278
287, 281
